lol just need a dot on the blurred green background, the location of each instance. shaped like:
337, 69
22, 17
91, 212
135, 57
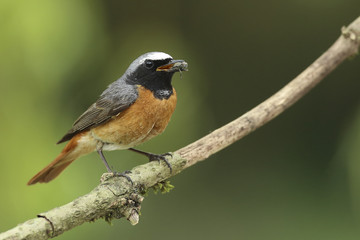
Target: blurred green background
295, 178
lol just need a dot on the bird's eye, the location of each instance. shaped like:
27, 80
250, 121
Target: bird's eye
148, 64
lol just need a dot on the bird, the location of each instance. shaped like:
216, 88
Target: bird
131, 110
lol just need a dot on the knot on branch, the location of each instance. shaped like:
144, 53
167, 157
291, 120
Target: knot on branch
127, 196
128, 207
127, 201
351, 34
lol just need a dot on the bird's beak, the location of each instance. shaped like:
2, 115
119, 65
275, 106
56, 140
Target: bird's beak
174, 66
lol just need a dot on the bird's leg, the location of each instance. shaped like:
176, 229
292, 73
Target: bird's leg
123, 174
104, 160
154, 157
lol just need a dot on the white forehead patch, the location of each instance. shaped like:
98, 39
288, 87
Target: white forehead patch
153, 56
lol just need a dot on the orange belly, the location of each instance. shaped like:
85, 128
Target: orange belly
143, 120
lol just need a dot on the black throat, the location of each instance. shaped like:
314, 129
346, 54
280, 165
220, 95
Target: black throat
159, 83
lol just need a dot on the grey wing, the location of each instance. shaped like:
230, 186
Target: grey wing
101, 111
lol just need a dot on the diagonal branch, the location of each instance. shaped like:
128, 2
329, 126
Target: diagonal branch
116, 197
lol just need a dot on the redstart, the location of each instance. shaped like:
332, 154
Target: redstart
132, 110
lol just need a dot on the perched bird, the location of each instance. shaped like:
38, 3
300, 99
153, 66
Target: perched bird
132, 110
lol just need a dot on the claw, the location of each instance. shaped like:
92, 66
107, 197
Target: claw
123, 174
153, 157
159, 157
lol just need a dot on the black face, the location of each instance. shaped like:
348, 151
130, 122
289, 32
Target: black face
159, 82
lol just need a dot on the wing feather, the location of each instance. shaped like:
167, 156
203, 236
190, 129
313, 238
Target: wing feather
107, 106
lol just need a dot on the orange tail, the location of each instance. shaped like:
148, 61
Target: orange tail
67, 156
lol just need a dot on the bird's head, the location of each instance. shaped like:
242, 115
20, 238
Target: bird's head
154, 71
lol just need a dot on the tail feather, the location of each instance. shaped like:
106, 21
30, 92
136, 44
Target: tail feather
51, 171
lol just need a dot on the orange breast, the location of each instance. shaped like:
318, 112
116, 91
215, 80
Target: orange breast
144, 119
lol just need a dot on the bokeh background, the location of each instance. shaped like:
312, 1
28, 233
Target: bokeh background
298, 177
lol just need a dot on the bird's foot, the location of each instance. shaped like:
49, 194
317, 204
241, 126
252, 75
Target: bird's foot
160, 157
124, 174
154, 157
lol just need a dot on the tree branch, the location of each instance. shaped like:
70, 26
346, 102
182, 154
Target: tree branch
115, 197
